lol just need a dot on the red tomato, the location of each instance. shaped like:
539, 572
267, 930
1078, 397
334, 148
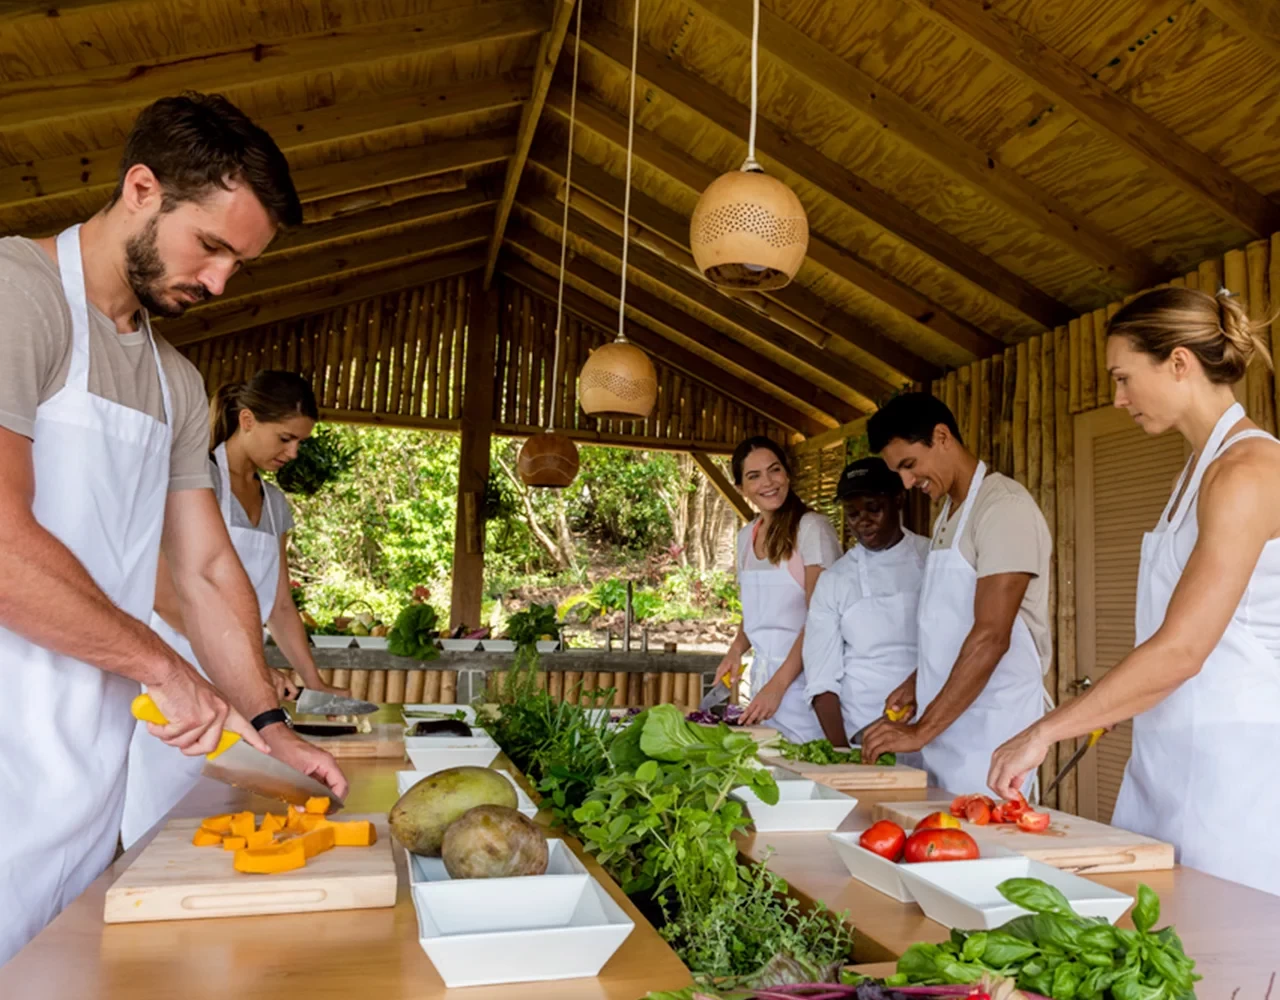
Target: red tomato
885, 839
978, 812
1033, 822
958, 805
1008, 812
938, 821
940, 845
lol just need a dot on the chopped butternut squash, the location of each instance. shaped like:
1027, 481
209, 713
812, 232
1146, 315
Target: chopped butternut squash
242, 824
354, 833
319, 805
206, 838
217, 824
277, 858
309, 822
271, 823
317, 841
234, 843
293, 821
260, 838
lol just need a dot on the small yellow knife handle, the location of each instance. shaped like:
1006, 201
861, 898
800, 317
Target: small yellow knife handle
145, 710
1094, 737
897, 714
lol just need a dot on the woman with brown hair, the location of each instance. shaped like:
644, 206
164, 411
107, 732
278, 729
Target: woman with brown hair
254, 426
781, 554
1203, 684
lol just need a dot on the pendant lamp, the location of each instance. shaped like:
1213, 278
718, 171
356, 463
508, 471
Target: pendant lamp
618, 381
749, 230
550, 460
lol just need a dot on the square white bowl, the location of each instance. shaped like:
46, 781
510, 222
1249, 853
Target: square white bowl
497, 645
803, 806
560, 862
407, 779
447, 741
430, 760
884, 875
436, 710
548, 645
371, 641
487, 931
460, 645
332, 641
963, 894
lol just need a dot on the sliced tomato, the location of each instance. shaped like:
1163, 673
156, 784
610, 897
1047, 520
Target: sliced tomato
978, 812
1033, 822
959, 804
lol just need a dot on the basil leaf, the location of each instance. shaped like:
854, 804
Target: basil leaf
1100, 938
975, 947
1066, 980
1057, 932
961, 973
1147, 912
1034, 895
920, 962
647, 771
1004, 949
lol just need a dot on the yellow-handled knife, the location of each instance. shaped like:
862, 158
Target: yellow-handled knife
146, 710
892, 714
1075, 759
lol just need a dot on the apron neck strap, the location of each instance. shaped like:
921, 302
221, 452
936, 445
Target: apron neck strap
1233, 415
795, 565
224, 474
975, 484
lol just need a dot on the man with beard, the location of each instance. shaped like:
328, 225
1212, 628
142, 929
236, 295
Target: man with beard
103, 459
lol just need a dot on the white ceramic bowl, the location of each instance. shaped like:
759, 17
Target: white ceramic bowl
884, 875
560, 862
430, 760
332, 641
963, 894
436, 710
371, 641
407, 779
548, 645
446, 741
486, 931
497, 645
460, 645
803, 806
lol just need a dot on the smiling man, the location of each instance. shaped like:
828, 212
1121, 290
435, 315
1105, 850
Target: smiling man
103, 459
984, 640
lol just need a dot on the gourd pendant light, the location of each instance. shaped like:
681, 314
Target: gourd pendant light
618, 380
749, 230
550, 460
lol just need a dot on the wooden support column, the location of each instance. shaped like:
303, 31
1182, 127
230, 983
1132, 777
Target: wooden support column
473, 458
722, 485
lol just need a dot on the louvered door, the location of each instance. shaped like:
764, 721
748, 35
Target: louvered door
1123, 480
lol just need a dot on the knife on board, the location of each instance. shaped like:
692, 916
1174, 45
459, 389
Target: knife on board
318, 703
1075, 759
892, 714
716, 701
236, 763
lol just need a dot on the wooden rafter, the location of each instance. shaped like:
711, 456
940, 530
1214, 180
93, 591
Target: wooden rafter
944, 149
319, 296
674, 228
722, 485
680, 166
121, 86
1257, 20
544, 70
669, 314
839, 183
696, 289
1011, 46
680, 358
94, 172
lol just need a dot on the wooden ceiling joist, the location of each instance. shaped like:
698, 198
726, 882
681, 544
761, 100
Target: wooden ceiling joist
680, 166
806, 58
602, 316
544, 70
698, 290
1011, 46
95, 172
320, 296
117, 87
1256, 20
674, 228
654, 307
856, 193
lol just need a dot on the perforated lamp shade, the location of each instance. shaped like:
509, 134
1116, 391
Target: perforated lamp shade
618, 383
548, 460
748, 231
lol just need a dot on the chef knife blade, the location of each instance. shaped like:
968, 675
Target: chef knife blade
716, 701
318, 703
1074, 760
236, 763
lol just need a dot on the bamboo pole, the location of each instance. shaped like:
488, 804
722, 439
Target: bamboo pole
1031, 364
431, 686
590, 683
1065, 549
395, 686
386, 349
415, 362
341, 677
619, 689
573, 686
964, 411
448, 686
981, 402
369, 399
1209, 275
1259, 383
1088, 366
1101, 378
651, 688
635, 688
1021, 364
666, 688
359, 360
395, 368
359, 684
414, 682
346, 359
326, 674
1072, 358
378, 686
444, 373
679, 688
430, 387
555, 684
462, 305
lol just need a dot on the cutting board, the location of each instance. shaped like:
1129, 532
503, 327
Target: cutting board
173, 880
385, 741
854, 777
1071, 843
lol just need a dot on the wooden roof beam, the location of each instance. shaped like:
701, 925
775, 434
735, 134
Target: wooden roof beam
118, 87
544, 69
651, 214
95, 172
696, 289
1006, 43
947, 151
722, 485
668, 352
854, 192
695, 175
320, 296
1257, 20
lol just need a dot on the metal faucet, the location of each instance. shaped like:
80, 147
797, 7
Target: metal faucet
626, 641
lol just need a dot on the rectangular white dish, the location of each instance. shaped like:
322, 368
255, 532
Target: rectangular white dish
436, 710
488, 931
497, 645
447, 741
407, 779
332, 641
438, 759
548, 645
560, 861
371, 641
459, 645
803, 806
884, 875
963, 894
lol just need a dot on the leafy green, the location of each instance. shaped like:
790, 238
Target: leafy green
525, 628
322, 459
414, 633
822, 752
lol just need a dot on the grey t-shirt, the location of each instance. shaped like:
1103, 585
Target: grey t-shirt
35, 356
281, 519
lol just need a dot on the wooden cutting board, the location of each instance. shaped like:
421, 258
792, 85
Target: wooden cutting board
385, 741
1071, 843
173, 880
854, 777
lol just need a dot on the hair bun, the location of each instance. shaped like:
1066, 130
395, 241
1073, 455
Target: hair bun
1239, 330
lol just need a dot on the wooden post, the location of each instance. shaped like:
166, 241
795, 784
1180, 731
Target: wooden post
473, 458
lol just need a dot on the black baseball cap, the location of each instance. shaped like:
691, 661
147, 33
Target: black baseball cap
868, 476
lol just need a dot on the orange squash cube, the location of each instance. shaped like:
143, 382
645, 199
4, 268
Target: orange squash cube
260, 838
317, 841
206, 838
242, 824
234, 843
354, 833
276, 858
217, 824
318, 806
271, 823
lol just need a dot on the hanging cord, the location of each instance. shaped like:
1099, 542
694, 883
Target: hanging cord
564, 223
750, 163
626, 201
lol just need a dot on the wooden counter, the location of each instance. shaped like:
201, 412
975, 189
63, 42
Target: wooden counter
1230, 930
337, 955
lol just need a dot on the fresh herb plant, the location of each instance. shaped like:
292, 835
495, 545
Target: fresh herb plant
822, 752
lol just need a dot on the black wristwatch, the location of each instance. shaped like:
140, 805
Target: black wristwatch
269, 718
